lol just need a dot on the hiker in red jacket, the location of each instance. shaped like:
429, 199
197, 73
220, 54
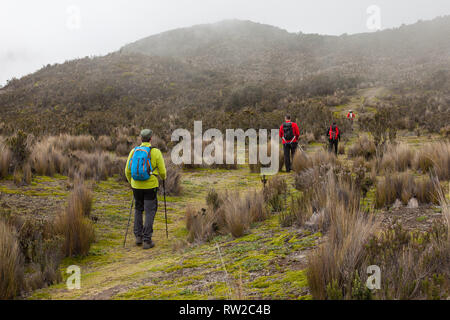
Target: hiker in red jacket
289, 134
334, 136
351, 115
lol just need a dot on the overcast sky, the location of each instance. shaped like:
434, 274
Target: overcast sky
35, 33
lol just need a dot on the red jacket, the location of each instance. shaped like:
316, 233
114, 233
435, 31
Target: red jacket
351, 116
295, 130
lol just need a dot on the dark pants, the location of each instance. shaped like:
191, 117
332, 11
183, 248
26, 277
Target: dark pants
145, 200
289, 151
335, 144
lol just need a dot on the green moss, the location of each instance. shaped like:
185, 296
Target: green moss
289, 285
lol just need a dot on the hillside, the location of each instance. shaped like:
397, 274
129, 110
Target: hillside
257, 51
222, 69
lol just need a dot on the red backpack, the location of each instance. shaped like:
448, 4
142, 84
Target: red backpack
334, 134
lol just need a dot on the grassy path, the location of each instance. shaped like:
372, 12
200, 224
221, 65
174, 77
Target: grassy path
266, 263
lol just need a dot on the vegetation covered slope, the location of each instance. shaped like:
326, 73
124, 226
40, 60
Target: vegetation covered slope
221, 70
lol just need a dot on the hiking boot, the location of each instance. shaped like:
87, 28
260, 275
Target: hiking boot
139, 241
148, 245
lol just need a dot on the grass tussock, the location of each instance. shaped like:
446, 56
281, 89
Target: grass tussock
226, 213
434, 156
74, 226
404, 186
303, 161
11, 263
397, 158
333, 268
173, 179
363, 147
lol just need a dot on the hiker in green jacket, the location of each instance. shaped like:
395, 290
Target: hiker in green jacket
143, 166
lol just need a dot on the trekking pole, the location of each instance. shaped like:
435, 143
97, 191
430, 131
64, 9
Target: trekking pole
165, 207
129, 219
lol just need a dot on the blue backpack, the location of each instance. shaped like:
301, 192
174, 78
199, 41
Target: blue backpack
141, 164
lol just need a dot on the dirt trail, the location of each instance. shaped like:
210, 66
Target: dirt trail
270, 258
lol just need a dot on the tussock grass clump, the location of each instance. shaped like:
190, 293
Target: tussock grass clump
398, 157
227, 212
74, 226
273, 193
173, 179
303, 161
11, 263
66, 142
404, 186
47, 160
363, 147
434, 155
200, 224
333, 268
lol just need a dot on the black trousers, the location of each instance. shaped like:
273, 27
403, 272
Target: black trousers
289, 151
145, 200
333, 143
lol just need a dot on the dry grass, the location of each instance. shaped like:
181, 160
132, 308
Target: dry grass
5, 160
404, 186
173, 179
303, 161
331, 268
11, 263
228, 212
275, 192
363, 147
397, 157
74, 226
434, 155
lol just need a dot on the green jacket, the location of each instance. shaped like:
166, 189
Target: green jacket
158, 166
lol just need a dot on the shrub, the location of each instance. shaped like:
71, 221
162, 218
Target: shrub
72, 224
363, 147
18, 144
415, 264
11, 263
41, 249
